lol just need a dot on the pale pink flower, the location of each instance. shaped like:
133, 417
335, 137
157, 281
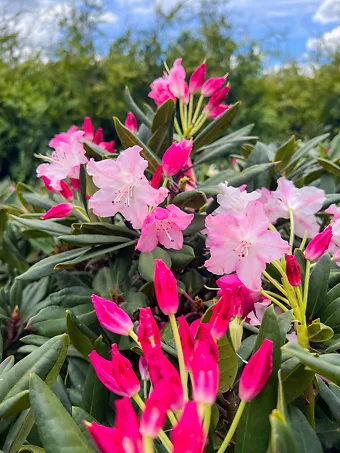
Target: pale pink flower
255, 317
65, 161
333, 210
164, 226
233, 200
304, 202
243, 244
160, 91
123, 187
269, 208
62, 137
177, 83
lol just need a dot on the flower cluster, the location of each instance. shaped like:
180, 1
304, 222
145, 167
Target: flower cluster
169, 397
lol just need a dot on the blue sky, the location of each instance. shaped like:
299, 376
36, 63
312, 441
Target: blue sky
296, 28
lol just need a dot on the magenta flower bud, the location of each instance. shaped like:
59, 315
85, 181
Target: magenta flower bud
165, 288
293, 270
217, 99
257, 371
175, 157
217, 111
188, 435
144, 368
111, 316
205, 374
212, 85
148, 331
127, 426
222, 311
116, 374
154, 414
204, 335
65, 190
106, 439
197, 79
187, 341
88, 129
157, 177
319, 244
131, 122
58, 211
176, 79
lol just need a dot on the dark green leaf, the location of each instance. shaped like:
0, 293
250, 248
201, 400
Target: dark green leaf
305, 438
135, 109
146, 263
181, 258
318, 286
162, 128
194, 199
282, 440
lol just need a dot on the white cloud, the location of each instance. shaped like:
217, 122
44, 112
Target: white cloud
329, 42
329, 11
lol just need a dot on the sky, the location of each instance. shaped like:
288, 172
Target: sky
296, 28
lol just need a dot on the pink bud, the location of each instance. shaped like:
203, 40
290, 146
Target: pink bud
148, 331
106, 439
131, 122
143, 368
222, 311
257, 371
217, 111
165, 288
111, 316
212, 85
197, 78
65, 190
154, 414
188, 435
161, 369
187, 341
157, 177
217, 99
127, 425
98, 136
88, 129
177, 79
293, 270
205, 374
58, 212
319, 244
204, 335
75, 183
176, 156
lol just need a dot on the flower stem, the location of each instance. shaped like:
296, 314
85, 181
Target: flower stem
268, 296
198, 108
178, 129
81, 211
147, 444
274, 282
182, 116
162, 436
133, 336
277, 296
207, 417
233, 427
304, 240
182, 370
291, 237
191, 106
305, 289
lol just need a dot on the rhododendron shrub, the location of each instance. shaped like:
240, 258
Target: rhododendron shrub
176, 290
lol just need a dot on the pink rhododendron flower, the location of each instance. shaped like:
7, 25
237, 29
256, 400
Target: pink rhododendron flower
65, 191
205, 336
156, 407
205, 374
217, 99
217, 111
164, 226
123, 187
143, 368
188, 435
176, 157
243, 244
334, 211
232, 282
197, 79
177, 83
65, 161
106, 439
256, 315
90, 135
319, 244
58, 212
62, 137
131, 122
257, 371
157, 177
304, 203
233, 200
165, 288
269, 208
293, 270
187, 341
222, 312
111, 316
127, 425
212, 85
148, 330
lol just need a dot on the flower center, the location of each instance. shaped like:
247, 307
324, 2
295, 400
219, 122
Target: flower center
165, 227
124, 191
242, 249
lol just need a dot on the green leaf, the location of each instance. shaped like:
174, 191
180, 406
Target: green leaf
46, 266
284, 153
146, 263
193, 199
92, 239
305, 437
330, 199
128, 139
135, 109
50, 226
57, 430
181, 258
331, 314
216, 128
15, 404
253, 433
282, 440
331, 398
295, 378
323, 365
31, 449
329, 166
80, 341
104, 228
93, 150
228, 364
318, 285
303, 150
162, 128
319, 332
259, 155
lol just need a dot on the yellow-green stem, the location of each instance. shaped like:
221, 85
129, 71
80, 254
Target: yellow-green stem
133, 336
165, 182
191, 106
299, 296
291, 237
275, 283
276, 302
145, 388
177, 128
198, 108
182, 370
172, 418
277, 296
207, 418
147, 444
305, 289
81, 211
181, 114
162, 436
233, 427
304, 240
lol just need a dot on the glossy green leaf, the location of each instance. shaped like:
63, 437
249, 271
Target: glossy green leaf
31, 449
305, 437
295, 378
92, 239
79, 340
135, 109
181, 258
49, 226
15, 404
146, 263
318, 286
284, 153
162, 128
319, 332
57, 429
228, 364
282, 440
329, 166
93, 150
194, 199
331, 398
